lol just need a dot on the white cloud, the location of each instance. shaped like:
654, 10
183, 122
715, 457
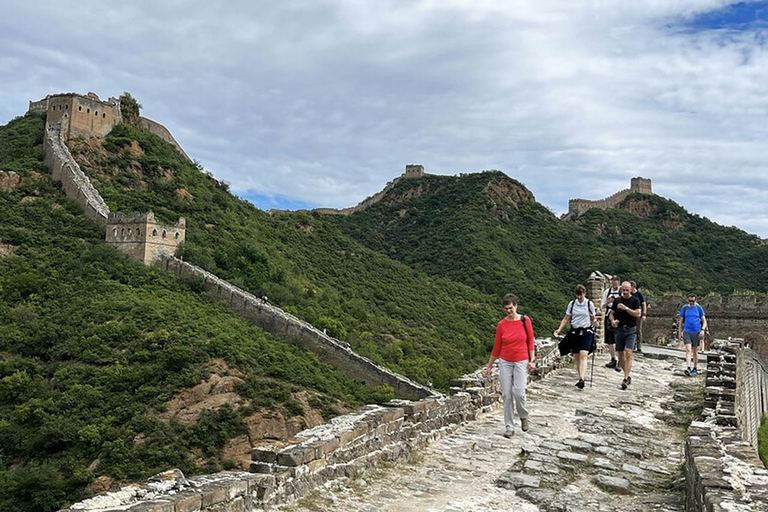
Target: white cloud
324, 101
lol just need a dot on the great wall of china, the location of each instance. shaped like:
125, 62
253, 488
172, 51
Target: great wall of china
722, 470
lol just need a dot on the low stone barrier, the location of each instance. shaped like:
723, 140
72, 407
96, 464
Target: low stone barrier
343, 448
723, 471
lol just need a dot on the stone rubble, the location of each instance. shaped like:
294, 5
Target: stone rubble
593, 450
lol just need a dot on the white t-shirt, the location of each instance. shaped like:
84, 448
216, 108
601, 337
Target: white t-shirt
580, 313
609, 292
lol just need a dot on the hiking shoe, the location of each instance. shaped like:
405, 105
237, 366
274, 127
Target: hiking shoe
509, 434
624, 384
617, 368
580, 384
629, 380
524, 424
688, 372
694, 372
612, 364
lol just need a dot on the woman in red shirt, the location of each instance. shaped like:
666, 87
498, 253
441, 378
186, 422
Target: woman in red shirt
515, 350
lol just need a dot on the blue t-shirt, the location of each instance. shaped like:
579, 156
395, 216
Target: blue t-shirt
692, 316
639, 297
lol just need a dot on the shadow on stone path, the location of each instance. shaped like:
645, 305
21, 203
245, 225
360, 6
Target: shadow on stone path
597, 449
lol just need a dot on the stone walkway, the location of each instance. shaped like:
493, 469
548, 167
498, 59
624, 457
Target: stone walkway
597, 449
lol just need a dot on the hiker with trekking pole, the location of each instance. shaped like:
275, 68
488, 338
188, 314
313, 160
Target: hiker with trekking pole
580, 338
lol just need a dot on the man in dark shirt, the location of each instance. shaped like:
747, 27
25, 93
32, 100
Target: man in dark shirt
624, 315
644, 306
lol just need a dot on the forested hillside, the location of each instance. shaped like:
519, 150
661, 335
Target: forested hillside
486, 230
94, 347
428, 328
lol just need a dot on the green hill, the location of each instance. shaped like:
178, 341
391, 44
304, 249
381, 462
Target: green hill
93, 347
487, 231
428, 328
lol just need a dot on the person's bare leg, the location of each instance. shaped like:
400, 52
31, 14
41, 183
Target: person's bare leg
627, 365
582, 364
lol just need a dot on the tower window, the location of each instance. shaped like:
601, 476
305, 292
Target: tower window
178, 235
164, 234
154, 232
88, 111
80, 108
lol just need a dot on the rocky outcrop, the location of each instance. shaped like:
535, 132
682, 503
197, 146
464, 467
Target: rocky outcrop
9, 180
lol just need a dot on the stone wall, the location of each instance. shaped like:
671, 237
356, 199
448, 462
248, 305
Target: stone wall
734, 316
143, 238
752, 393
162, 132
286, 326
76, 184
723, 471
636, 185
334, 452
411, 171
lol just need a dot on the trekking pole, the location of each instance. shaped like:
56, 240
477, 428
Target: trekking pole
592, 371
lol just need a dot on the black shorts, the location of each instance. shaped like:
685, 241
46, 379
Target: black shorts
609, 339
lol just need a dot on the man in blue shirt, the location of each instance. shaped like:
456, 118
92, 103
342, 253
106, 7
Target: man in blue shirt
691, 328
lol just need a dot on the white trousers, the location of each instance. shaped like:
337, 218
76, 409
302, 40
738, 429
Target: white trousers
514, 378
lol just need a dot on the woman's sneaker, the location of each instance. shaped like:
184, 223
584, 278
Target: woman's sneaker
694, 372
509, 434
624, 384
688, 372
580, 384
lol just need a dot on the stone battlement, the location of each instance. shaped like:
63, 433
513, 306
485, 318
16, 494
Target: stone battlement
411, 171
143, 238
637, 185
88, 116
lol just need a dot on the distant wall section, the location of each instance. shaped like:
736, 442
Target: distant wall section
76, 184
162, 132
637, 185
286, 326
411, 171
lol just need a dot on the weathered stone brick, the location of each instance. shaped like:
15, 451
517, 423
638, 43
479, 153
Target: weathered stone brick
187, 502
261, 454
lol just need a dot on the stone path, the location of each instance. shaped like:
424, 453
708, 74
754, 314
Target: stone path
597, 449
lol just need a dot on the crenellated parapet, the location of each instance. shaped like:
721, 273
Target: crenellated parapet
63, 167
722, 467
142, 237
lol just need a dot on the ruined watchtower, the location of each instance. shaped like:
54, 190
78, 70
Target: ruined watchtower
143, 238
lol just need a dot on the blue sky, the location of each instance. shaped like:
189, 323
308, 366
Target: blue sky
320, 103
737, 16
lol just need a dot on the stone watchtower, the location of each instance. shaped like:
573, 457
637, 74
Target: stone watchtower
141, 237
80, 116
413, 171
640, 185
